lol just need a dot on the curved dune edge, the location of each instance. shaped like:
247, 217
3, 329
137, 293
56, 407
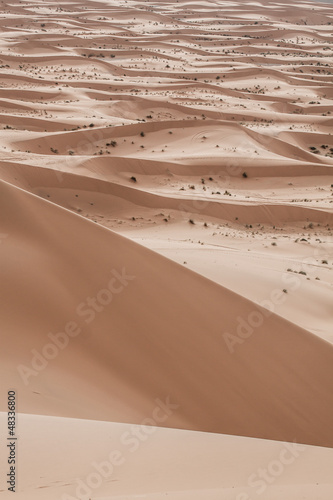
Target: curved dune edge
122, 461
65, 141
41, 180
201, 130
161, 336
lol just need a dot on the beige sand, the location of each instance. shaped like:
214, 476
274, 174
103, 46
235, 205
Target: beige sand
166, 246
104, 460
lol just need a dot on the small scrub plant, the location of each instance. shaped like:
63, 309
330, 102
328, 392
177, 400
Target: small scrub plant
133, 178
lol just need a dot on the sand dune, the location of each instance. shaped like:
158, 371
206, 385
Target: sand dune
44, 183
140, 469
166, 239
133, 356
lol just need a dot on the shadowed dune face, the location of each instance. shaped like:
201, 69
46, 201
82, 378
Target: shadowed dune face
133, 325
166, 225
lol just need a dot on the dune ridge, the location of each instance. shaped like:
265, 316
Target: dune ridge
166, 247
174, 341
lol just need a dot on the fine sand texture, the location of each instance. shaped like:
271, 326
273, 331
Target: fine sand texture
166, 248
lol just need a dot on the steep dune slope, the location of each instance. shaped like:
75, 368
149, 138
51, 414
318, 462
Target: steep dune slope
166, 231
147, 329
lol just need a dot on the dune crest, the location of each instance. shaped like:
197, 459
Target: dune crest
166, 230
260, 382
